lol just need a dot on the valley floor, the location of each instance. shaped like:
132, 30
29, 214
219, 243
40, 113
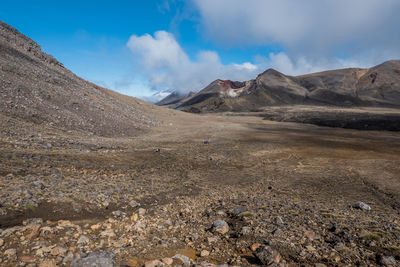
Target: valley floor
280, 186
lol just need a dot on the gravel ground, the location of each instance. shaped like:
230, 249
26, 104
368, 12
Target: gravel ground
211, 190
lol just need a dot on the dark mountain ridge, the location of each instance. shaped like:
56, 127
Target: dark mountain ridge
378, 86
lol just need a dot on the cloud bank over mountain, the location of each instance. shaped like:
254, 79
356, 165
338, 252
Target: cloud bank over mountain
169, 67
313, 37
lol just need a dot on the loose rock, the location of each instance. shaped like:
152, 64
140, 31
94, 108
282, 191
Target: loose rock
267, 255
98, 259
389, 261
204, 253
362, 206
142, 211
220, 226
182, 258
167, 261
11, 252
255, 246
153, 263
83, 240
236, 211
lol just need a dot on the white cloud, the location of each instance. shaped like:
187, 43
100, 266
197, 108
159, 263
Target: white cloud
169, 67
311, 29
160, 51
246, 66
283, 63
154, 98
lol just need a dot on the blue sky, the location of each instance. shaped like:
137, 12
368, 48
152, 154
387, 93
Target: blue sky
140, 47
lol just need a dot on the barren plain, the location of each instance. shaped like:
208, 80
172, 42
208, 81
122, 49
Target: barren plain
288, 186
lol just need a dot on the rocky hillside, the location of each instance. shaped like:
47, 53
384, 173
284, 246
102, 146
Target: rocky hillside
377, 86
35, 87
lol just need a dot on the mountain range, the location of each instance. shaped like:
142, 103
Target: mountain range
376, 86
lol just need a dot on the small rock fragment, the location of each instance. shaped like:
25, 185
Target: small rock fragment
310, 248
118, 214
246, 230
206, 264
34, 233
10, 253
83, 240
204, 253
108, 233
142, 211
65, 223
58, 251
48, 263
32, 221
69, 257
255, 246
153, 263
279, 221
362, 206
388, 261
246, 214
267, 255
212, 239
236, 211
220, 226
167, 261
182, 258
134, 217
221, 213
133, 204
27, 258
310, 235
95, 227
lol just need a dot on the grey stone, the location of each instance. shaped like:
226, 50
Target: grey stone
142, 211
118, 214
10, 253
220, 226
204, 253
39, 184
33, 221
184, 259
389, 261
267, 255
246, 230
221, 213
206, 264
83, 240
362, 206
96, 259
279, 221
236, 211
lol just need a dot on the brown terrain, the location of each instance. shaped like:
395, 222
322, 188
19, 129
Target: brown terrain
88, 176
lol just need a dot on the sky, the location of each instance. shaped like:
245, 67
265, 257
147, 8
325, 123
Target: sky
139, 48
